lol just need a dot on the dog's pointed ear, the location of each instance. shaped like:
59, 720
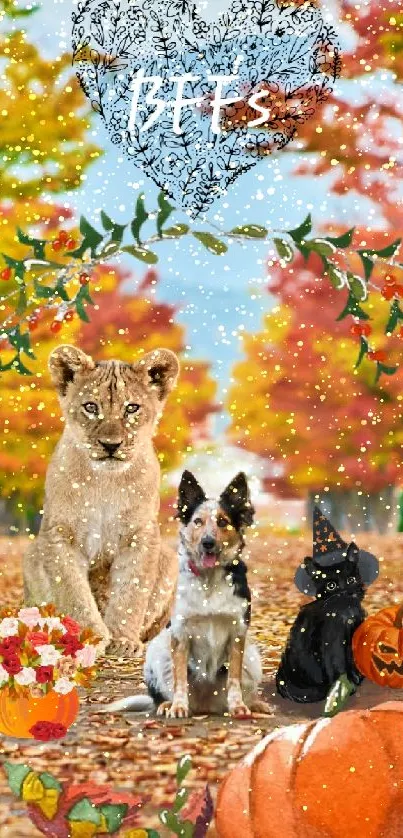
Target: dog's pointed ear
190, 496
65, 362
353, 553
235, 500
161, 368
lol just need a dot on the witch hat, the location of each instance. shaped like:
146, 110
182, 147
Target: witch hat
330, 548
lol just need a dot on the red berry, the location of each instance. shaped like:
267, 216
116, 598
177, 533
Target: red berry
56, 326
32, 323
57, 245
4, 344
71, 244
6, 274
399, 290
377, 355
83, 279
359, 329
69, 315
390, 279
388, 291
63, 236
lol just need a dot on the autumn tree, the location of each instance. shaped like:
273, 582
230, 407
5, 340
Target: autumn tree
124, 324
327, 428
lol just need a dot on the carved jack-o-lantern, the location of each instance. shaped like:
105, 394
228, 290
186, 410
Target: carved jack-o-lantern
378, 647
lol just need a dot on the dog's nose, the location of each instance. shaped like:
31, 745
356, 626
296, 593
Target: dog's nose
110, 447
208, 542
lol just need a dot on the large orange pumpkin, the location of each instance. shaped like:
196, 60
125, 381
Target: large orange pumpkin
378, 647
18, 715
324, 779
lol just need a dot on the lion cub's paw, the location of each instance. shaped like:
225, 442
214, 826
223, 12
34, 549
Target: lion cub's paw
125, 648
239, 709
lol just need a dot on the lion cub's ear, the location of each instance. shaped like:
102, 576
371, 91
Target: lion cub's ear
161, 369
64, 364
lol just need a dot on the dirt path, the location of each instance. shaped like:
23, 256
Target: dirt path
140, 754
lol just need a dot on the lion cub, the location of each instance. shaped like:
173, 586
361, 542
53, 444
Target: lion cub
98, 555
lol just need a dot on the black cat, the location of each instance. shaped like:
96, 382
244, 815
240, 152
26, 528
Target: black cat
319, 649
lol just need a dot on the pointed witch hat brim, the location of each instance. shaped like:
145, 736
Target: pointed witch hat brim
368, 567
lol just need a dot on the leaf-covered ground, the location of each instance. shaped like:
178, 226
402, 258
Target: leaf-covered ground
140, 753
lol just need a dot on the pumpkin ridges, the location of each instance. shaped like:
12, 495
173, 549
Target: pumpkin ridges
233, 797
362, 790
284, 749
367, 802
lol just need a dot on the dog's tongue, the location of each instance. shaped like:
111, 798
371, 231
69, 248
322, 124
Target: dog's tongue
209, 560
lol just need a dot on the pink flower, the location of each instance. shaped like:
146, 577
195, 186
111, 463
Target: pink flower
86, 657
71, 625
30, 616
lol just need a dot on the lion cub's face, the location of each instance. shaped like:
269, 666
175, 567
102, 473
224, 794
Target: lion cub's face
110, 406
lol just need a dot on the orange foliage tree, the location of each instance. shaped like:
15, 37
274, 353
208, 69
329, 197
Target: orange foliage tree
328, 428
124, 324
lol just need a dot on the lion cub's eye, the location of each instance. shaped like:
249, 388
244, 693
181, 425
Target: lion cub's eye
91, 408
198, 522
132, 408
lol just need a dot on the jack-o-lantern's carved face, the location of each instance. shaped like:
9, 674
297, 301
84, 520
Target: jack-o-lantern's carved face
378, 647
387, 657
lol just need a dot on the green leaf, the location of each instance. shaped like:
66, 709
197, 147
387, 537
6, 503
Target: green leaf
212, 244
165, 210
91, 239
300, 233
50, 782
183, 768
141, 253
338, 278
176, 231
43, 291
61, 291
284, 250
381, 369
17, 265
116, 230
357, 286
342, 241
20, 367
338, 696
16, 775
367, 263
139, 219
38, 245
183, 828
82, 297
22, 301
250, 231
114, 814
84, 810
396, 314
20, 341
152, 833
362, 353
352, 307
321, 246
389, 250
180, 800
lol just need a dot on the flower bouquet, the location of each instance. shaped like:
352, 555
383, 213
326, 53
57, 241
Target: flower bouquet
43, 657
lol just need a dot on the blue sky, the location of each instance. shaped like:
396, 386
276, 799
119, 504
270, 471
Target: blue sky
217, 297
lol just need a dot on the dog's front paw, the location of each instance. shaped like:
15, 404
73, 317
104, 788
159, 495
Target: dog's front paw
177, 709
125, 648
239, 709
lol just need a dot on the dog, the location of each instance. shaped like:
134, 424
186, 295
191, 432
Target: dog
203, 662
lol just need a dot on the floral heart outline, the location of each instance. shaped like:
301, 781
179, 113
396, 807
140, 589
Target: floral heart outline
280, 46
